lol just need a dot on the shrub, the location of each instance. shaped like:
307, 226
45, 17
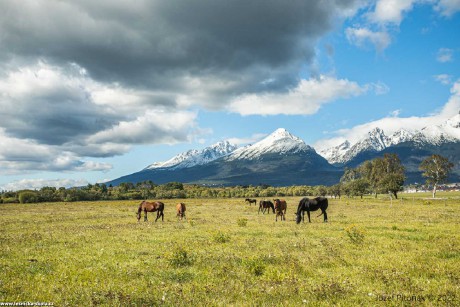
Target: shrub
242, 222
27, 197
180, 258
255, 266
355, 234
221, 237
10, 200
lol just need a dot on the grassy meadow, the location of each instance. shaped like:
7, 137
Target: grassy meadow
372, 252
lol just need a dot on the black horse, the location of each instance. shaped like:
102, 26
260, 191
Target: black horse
308, 205
264, 205
251, 201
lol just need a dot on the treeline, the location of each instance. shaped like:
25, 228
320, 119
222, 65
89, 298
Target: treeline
150, 190
378, 176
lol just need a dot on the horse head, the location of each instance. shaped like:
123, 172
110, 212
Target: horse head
301, 206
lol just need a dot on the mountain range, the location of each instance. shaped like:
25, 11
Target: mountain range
283, 159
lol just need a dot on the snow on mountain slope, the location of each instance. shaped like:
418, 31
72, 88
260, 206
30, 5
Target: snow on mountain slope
376, 140
449, 131
334, 154
196, 157
279, 142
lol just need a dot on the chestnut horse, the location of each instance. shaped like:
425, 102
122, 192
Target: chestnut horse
180, 208
308, 205
150, 207
280, 209
251, 201
264, 205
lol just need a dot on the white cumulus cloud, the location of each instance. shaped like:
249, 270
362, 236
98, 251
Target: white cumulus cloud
306, 98
35, 184
363, 36
391, 11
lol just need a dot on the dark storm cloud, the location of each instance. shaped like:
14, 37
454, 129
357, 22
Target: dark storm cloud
152, 43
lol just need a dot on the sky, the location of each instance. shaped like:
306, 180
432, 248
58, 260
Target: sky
94, 90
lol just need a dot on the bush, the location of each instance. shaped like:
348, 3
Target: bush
242, 222
180, 258
221, 237
255, 266
28, 197
355, 234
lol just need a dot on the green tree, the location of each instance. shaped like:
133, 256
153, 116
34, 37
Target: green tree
350, 174
388, 173
173, 186
321, 190
358, 187
353, 182
436, 169
335, 190
366, 172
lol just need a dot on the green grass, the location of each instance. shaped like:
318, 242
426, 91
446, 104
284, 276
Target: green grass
225, 253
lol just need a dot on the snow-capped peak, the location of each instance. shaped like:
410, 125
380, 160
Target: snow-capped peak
196, 157
278, 142
447, 131
376, 140
334, 154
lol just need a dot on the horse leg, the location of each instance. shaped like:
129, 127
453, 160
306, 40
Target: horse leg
145, 215
325, 216
308, 213
158, 216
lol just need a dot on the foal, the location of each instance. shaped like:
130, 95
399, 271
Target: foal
280, 209
180, 208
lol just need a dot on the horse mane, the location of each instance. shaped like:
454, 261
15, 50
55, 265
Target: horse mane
301, 204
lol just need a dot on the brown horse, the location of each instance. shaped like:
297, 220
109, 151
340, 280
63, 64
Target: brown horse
251, 201
280, 209
180, 208
150, 207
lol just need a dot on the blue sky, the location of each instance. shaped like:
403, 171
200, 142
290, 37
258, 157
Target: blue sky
91, 91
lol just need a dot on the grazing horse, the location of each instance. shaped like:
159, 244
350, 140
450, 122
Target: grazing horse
308, 205
264, 205
280, 209
180, 208
150, 207
251, 201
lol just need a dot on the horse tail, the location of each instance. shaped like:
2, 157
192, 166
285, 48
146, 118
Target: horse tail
323, 204
139, 211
